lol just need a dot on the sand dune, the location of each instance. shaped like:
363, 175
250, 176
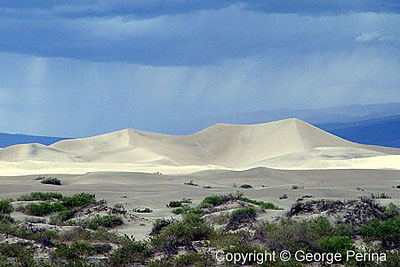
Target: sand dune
285, 144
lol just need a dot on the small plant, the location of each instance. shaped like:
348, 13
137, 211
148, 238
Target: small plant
295, 187
192, 183
246, 186
107, 221
179, 203
6, 207
144, 210
284, 196
40, 196
262, 204
380, 196
75, 252
131, 253
51, 180
61, 217
78, 200
217, 200
44, 208
241, 216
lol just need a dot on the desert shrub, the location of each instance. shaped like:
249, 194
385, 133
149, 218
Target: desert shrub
181, 233
192, 259
6, 219
262, 204
158, 225
78, 200
174, 204
387, 231
217, 200
22, 256
240, 216
224, 239
391, 211
40, 196
179, 203
61, 217
144, 210
335, 244
51, 180
284, 196
380, 196
130, 253
5, 206
294, 235
44, 208
191, 183
186, 210
77, 251
107, 221
99, 235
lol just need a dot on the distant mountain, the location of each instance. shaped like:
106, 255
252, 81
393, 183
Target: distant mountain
380, 131
15, 139
351, 113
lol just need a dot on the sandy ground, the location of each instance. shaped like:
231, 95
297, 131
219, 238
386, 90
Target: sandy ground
139, 190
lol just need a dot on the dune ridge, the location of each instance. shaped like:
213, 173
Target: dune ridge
285, 144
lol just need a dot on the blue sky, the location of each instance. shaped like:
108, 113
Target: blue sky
77, 68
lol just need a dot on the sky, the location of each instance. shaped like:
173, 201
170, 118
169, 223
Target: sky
84, 67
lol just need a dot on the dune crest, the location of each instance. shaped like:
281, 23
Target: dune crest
289, 143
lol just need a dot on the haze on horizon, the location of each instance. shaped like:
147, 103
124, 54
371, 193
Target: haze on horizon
96, 66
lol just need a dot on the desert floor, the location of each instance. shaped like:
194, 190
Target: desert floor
154, 191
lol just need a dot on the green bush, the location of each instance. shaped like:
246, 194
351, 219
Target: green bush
240, 216
181, 233
295, 235
387, 231
77, 251
217, 200
335, 244
40, 196
44, 208
51, 180
130, 253
78, 200
107, 221
61, 217
5, 206
21, 255
262, 204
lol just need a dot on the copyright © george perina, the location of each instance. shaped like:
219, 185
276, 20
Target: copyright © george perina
299, 256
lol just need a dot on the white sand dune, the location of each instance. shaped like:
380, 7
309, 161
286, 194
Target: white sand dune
285, 144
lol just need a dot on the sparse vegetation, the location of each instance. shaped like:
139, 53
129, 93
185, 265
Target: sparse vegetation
380, 196
142, 210
246, 186
262, 204
107, 221
209, 226
51, 180
40, 196
6, 207
192, 183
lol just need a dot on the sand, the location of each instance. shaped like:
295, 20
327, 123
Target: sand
140, 190
286, 144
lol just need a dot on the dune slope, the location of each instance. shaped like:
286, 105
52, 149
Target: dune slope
289, 143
